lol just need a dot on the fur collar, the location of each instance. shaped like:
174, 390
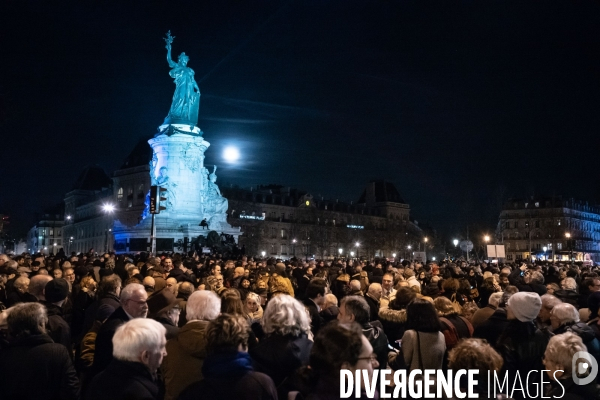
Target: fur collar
390, 315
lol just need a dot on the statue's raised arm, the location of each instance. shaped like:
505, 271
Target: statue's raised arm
168, 41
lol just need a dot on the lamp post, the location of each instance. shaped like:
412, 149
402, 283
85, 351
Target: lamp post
409, 247
545, 249
294, 246
570, 243
263, 253
108, 209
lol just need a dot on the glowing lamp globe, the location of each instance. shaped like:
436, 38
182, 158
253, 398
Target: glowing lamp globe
231, 154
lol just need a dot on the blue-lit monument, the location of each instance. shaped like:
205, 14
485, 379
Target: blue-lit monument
192, 198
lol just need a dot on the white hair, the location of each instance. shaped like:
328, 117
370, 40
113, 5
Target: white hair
495, 298
136, 336
129, 290
203, 305
285, 315
331, 300
569, 284
565, 313
254, 297
354, 284
549, 301
561, 349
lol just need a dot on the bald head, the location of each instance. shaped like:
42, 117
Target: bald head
37, 285
354, 285
375, 290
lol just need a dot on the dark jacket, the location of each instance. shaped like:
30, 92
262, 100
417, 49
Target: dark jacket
568, 296
374, 306
104, 347
517, 280
16, 297
315, 319
58, 329
278, 356
100, 308
379, 341
329, 314
492, 328
172, 329
587, 335
230, 376
36, 368
123, 380
81, 302
394, 324
572, 391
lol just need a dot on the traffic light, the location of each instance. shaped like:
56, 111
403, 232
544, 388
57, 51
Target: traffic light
158, 195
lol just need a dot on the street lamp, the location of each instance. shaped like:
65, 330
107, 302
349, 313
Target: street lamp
357, 245
394, 255
340, 251
294, 245
109, 209
351, 254
545, 249
68, 217
455, 241
570, 243
432, 258
263, 253
486, 238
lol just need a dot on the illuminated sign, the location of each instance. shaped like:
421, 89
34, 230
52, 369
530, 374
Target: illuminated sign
355, 226
262, 218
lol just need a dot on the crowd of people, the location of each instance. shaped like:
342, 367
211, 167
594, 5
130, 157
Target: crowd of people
183, 326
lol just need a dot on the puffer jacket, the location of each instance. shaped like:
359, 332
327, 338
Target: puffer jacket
586, 333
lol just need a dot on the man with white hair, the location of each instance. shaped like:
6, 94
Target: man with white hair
133, 305
568, 292
543, 320
138, 351
564, 317
187, 351
372, 297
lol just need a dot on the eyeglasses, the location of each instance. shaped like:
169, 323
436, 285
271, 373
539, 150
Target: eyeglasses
372, 358
141, 303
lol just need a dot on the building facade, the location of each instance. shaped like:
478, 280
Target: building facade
284, 223
47, 235
550, 229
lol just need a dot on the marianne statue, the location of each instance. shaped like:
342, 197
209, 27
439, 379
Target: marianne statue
186, 100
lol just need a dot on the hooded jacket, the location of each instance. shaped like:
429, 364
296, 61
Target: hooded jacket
183, 363
394, 324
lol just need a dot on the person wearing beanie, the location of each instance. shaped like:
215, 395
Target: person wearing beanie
521, 344
55, 293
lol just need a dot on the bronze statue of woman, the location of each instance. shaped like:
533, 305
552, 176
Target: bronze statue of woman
186, 100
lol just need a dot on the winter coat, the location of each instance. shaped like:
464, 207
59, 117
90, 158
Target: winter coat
430, 354
492, 328
454, 328
316, 322
182, 365
374, 306
482, 315
394, 324
58, 329
330, 313
230, 376
35, 368
123, 380
587, 335
568, 296
100, 309
571, 391
279, 356
103, 354
379, 341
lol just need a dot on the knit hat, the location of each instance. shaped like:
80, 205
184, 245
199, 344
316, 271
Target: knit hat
56, 290
525, 305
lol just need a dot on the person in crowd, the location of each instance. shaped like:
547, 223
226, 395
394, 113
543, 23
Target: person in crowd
492, 328
33, 366
133, 305
186, 353
330, 309
486, 289
527, 280
138, 351
338, 346
423, 343
521, 344
393, 315
315, 297
356, 309
227, 369
482, 315
552, 287
109, 290
286, 345
564, 317
543, 320
85, 298
568, 292
387, 286
253, 310
183, 294
163, 307
149, 283
19, 293
475, 354
55, 293
372, 297
558, 363
454, 326
37, 285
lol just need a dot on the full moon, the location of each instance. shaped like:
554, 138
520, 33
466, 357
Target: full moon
231, 154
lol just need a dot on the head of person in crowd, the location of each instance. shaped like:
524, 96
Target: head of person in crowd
69, 275
523, 306
226, 334
168, 264
134, 300
340, 346
375, 290
422, 316
37, 284
172, 285
141, 340
387, 282
26, 319
22, 284
88, 285
592, 284
185, 289
558, 358
231, 302
495, 299
563, 314
568, 284
330, 301
403, 297
444, 307
508, 292
284, 316
552, 288
316, 290
475, 354
354, 309
203, 305
149, 284
56, 291
163, 305
252, 303
57, 273
548, 303
503, 280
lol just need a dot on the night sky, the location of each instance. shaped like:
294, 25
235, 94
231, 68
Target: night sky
459, 103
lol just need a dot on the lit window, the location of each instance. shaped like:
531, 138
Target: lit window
120, 194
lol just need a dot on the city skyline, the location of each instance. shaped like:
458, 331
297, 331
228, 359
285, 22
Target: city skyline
460, 106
